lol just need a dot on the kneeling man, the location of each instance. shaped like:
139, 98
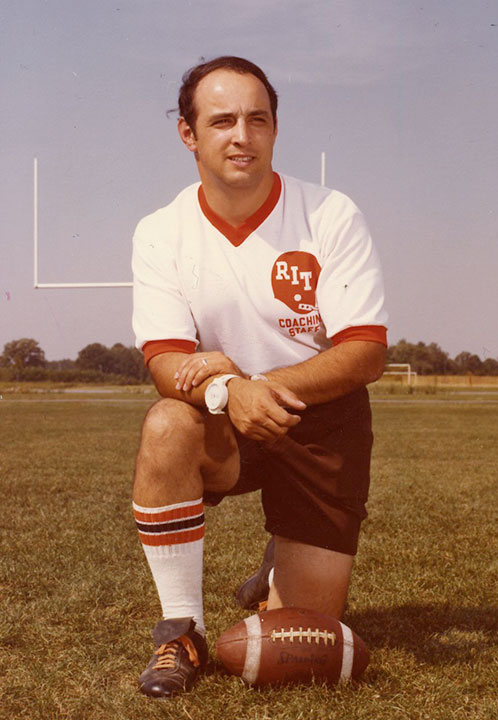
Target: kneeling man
259, 307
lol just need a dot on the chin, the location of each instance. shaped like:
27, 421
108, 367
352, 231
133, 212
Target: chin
243, 177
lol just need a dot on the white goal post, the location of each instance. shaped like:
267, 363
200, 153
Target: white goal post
402, 369
36, 283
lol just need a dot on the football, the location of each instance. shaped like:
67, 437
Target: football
290, 645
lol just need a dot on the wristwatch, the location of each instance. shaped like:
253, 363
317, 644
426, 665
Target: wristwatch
216, 395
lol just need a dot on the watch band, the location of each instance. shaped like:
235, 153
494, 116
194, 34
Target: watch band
223, 379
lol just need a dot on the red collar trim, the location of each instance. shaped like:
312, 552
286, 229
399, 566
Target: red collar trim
237, 235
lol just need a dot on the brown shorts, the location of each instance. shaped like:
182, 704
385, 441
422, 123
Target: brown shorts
315, 482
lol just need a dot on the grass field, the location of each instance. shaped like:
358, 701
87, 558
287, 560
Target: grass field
77, 603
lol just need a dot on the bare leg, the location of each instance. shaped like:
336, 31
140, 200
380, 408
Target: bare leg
182, 452
309, 577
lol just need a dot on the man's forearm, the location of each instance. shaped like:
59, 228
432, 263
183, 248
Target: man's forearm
328, 375
163, 368
334, 372
255, 409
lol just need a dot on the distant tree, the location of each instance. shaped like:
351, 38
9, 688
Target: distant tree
424, 359
23, 353
65, 364
399, 352
439, 360
95, 357
468, 363
489, 367
118, 360
430, 359
126, 361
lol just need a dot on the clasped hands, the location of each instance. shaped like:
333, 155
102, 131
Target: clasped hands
256, 408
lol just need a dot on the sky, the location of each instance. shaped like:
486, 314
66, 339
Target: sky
402, 97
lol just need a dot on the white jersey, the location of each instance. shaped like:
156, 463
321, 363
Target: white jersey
271, 293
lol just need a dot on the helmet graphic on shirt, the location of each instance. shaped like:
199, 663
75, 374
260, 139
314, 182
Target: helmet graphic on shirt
294, 278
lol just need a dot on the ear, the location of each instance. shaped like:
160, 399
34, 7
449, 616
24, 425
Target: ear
187, 135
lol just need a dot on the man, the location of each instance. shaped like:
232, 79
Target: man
258, 304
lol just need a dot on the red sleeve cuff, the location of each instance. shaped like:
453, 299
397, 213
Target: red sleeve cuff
370, 333
156, 347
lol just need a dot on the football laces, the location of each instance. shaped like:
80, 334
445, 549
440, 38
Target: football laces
304, 634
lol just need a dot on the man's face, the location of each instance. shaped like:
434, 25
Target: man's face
234, 132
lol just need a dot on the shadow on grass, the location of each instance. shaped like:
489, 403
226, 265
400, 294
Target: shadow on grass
433, 633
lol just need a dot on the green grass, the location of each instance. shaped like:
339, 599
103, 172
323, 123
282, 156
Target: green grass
77, 603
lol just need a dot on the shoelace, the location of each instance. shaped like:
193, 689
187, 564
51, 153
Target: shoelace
167, 653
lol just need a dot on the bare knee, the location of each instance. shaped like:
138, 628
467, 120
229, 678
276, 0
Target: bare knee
172, 421
172, 440
183, 451
169, 458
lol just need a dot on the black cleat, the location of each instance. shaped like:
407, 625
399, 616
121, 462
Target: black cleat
255, 589
180, 654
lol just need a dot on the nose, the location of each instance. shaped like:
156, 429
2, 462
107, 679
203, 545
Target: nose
240, 132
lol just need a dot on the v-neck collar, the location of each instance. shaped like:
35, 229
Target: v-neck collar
237, 234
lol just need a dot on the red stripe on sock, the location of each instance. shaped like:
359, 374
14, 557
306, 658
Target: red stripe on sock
180, 513
175, 538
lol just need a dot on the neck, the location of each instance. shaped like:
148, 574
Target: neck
236, 204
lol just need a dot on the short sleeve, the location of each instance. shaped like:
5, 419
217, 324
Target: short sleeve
160, 309
350, 290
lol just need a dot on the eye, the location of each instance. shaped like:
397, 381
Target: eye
222, 122
259, 120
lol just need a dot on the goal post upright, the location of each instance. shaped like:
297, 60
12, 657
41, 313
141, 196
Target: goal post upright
38, 285
35, 221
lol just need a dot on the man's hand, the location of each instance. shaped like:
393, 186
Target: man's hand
256, 408
196, 368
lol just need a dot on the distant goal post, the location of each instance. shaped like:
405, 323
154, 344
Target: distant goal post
401, 370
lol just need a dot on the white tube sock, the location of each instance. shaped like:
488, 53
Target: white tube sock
173, 538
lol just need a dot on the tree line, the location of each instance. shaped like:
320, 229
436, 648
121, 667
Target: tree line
432, 360
24, 359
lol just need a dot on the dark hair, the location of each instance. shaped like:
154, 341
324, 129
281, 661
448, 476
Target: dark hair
192, 77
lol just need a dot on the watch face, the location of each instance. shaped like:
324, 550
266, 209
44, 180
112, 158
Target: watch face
214, 395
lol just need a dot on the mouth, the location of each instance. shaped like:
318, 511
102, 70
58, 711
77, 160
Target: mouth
241, 160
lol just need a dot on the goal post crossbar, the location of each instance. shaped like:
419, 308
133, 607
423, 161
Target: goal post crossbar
83, 285
403, 369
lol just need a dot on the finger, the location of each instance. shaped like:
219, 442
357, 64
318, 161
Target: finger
267, 434
291, 420
191, 373
283, 418
203, 373
258, 427
187, 371
287, 398
183, 368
